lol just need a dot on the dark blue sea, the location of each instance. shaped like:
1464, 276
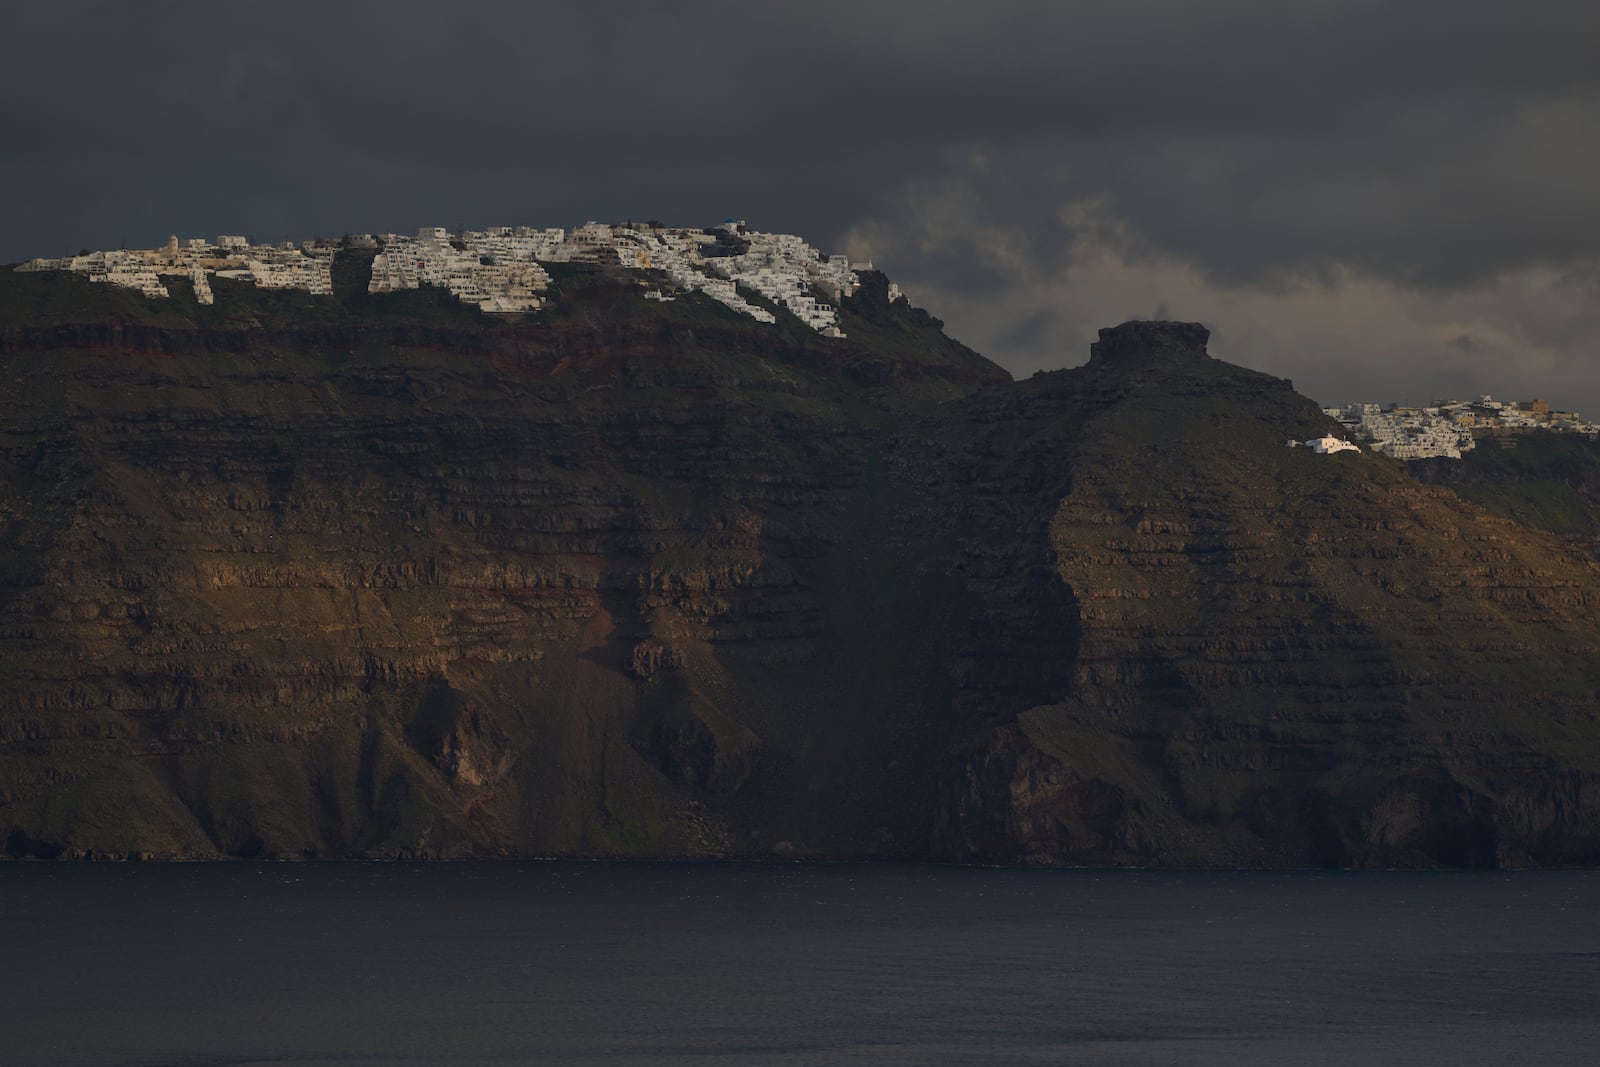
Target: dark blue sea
227, 965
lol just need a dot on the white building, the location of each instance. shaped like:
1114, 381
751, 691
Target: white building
1327, 445
499, 269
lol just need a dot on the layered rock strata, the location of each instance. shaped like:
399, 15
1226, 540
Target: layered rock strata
649, 579
1281, 658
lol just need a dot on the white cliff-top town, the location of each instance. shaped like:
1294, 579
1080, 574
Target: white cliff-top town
1450, 427
500, 270
286, 266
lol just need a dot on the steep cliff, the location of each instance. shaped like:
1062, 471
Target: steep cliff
1281, 657
382, 576
387, 577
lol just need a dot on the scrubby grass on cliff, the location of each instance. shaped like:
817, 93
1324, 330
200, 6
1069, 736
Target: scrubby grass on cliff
101, 802
41, 299
51, 298
1291, 510
1545, 480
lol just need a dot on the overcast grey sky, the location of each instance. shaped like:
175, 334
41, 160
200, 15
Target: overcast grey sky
1378, 200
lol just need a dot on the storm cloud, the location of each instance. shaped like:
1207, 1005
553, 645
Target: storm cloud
1380, 200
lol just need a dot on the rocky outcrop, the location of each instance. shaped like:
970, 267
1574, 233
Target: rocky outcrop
1142, 340
1283, 658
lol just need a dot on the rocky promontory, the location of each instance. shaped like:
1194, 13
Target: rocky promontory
379, 575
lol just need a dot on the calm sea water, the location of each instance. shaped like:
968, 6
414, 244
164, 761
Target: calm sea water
621, 964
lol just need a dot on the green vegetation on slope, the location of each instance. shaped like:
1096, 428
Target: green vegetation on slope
1545, 480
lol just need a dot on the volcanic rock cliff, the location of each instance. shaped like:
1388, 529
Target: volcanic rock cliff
1282, 657
380, 576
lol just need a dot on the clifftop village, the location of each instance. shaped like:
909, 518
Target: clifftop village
1450, 427
499, 269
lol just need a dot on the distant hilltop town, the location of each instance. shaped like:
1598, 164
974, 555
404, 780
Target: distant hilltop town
500, 269
1451, 427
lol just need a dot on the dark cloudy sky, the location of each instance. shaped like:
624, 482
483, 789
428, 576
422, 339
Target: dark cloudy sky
1379, 200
